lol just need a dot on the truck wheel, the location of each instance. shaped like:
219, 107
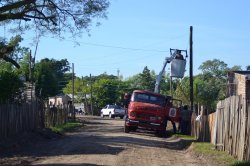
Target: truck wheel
121, 117
163, 133
126, 129
133, 128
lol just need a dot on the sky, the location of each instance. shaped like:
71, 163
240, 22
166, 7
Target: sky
139, 33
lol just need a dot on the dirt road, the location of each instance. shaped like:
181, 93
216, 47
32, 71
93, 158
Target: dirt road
102, 142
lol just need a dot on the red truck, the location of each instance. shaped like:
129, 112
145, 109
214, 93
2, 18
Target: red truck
150, 111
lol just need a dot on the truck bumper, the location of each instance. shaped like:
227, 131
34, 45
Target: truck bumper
145, 125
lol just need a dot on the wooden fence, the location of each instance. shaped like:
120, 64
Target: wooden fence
56, 115
232, 127
203, 128
228, 128
15, 119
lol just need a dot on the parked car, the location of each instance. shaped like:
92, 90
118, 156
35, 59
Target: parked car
113, 111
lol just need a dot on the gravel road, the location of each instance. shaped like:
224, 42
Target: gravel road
101, 142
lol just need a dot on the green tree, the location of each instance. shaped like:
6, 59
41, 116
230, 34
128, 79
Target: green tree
10, 86
248, 67
181, 90
24, 66
134, 82
80, 89
105, 92
209, 85
214, 68
165, 84
54, 16
48, 75
214, 73
147, 80
10, 82
11, 52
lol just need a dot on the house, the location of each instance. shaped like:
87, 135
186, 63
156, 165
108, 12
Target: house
59, 100
239, 84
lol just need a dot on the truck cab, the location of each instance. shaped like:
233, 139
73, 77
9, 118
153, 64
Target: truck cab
150, 111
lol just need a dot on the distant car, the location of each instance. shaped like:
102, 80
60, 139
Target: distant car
113, 111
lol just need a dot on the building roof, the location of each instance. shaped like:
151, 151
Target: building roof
242, 72
246, 73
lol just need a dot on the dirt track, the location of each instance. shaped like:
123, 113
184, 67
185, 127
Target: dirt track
102, 142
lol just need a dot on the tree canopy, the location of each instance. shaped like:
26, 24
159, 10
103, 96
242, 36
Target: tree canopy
10, 86
209, 85
11, 51
49, 73
54, 16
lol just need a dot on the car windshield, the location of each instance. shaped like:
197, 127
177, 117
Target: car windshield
148, 98
114, 106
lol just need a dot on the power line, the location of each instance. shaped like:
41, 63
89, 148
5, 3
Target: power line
124, 48
116, 47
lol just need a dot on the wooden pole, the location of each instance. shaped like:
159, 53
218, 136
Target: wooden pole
91, 101
73, 89
191, 69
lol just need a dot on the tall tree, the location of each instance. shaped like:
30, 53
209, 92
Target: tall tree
147, 80
214, 68
10, 86
48, 75
80, 89
11, 51
54, 16
209, 85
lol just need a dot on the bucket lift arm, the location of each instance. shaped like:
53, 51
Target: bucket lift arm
174, 55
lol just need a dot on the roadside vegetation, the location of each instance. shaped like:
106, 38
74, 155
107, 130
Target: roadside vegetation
69, 126
207, 151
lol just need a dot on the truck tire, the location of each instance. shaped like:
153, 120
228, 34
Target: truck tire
163, 133
126, 129
133, 128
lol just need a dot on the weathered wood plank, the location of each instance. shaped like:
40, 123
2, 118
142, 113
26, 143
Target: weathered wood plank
232, 127
15, 119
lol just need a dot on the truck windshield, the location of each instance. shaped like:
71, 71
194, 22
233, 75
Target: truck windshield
148, 98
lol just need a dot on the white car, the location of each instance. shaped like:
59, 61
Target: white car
113, 111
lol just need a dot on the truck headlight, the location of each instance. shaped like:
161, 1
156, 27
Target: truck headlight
132, 114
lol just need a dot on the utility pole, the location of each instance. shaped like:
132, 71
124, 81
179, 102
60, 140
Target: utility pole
91, 101
191, 69
30, 74
85, 97
73, 93
118, 73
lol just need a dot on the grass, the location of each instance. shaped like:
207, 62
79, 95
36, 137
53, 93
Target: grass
185, 137
66, 127
208, 150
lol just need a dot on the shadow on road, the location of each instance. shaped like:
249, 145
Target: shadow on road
85, 164
91, 144
98, 138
